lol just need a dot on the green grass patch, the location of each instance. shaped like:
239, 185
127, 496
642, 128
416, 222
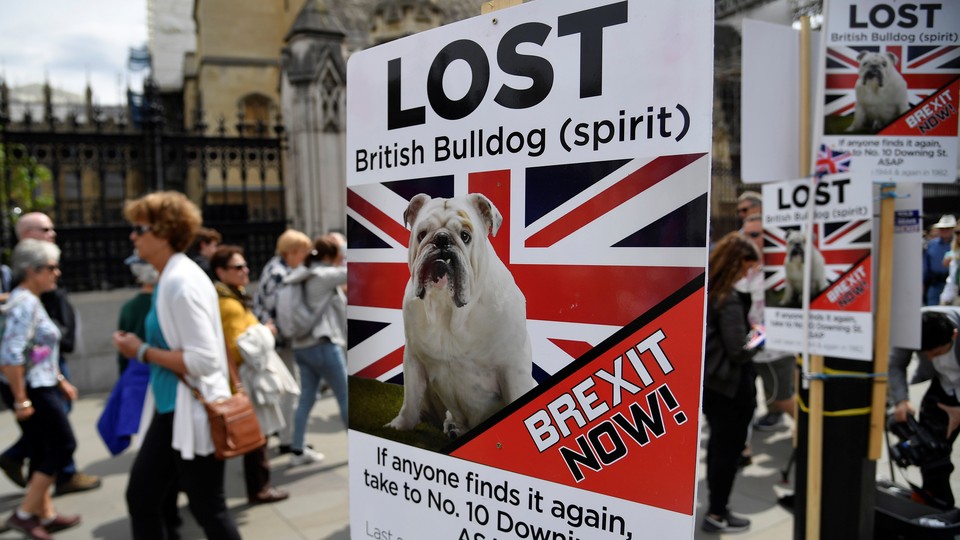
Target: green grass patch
836, 125
373, 404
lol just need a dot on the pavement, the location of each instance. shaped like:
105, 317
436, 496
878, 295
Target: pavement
317, 508
759, 485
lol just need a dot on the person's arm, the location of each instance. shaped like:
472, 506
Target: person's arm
197, 323
950, 288
330, 276
22, 407
897, 388
265, 299
129, 345
733, 330
232, 316
16, 335
63, 315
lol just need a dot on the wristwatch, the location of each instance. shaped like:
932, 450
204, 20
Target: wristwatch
26, 404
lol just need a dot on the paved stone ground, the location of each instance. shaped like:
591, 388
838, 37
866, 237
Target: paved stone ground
317, 509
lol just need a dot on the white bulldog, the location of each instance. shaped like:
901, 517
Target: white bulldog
794, 270
467, 351
881, 92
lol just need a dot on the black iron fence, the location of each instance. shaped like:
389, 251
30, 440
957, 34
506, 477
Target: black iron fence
88, 167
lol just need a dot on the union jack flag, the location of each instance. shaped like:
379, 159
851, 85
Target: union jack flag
842, 244
925, 68
830, 161
592, 246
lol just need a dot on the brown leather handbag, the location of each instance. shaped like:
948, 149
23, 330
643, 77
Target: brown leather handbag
233, 423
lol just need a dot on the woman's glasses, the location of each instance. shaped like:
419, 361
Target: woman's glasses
238, 266
141, 230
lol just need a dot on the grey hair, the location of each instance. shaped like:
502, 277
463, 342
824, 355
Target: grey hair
145, 273
754, 198
32, 253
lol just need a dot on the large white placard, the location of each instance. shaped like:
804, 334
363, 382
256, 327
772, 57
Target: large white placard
840, 320
891, 88
528, 197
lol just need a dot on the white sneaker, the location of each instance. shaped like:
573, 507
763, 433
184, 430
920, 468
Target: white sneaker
308, 456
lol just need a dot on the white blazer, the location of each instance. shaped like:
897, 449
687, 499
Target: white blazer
189, 316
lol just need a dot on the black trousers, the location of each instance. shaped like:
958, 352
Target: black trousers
47, 435
158, 471
729, 420
256, 471
936, 472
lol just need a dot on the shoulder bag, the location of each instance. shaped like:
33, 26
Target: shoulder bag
233, 423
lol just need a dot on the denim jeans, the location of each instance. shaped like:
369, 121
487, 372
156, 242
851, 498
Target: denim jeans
321, 361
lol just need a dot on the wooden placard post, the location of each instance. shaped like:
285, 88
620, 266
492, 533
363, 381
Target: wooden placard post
815, 420
881, 336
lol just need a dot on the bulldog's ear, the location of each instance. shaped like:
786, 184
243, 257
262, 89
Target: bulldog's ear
893, 58
491, 216
416, 204
861, 54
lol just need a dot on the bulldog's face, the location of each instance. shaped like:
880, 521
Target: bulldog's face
877, 68
448, 239
795, 246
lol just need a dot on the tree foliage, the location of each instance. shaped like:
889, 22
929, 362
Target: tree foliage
30, 187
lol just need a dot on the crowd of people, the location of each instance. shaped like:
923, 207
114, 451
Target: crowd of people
193, 331
194, 326
736, 299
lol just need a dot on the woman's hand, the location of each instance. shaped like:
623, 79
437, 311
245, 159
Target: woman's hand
126, 343
24, 413
68, 390
273, 328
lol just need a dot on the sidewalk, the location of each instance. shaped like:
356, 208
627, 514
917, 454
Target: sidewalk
316, 509
759, 485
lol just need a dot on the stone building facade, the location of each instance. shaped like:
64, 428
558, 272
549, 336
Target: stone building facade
259, 63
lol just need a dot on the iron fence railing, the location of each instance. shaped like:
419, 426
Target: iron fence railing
95, 166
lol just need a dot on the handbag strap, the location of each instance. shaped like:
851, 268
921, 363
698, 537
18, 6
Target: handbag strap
234, 381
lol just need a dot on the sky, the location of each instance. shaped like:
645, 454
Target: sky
70, 41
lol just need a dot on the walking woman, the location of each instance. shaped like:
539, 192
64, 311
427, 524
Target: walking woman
184, 338
292, 249
729, 390
320, 354
233, 275
33, 387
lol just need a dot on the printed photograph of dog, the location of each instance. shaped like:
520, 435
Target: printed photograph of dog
794, 268
467, 350
879, 96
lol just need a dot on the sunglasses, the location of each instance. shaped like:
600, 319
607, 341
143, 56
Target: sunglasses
49, 267
238, 266
956, 232
141, 230
743, 209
